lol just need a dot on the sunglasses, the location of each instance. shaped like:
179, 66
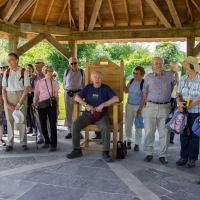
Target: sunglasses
135, 73
73, 63
2, 67
39, 63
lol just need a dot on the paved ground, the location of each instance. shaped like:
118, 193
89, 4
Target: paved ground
39, 174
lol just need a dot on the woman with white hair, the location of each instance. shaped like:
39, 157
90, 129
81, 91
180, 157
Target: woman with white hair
48, 105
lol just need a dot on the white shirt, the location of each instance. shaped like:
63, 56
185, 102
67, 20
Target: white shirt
14, 82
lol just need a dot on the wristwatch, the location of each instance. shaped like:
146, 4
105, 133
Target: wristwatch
85, 105
18, 104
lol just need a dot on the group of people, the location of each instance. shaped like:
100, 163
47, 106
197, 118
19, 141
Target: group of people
151, 97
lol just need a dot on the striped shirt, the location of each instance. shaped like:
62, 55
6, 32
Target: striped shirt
158, 88
190, 90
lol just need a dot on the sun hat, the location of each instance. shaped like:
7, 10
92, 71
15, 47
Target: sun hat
2, 64
39, 61
18, 116
175, 66
96, 116
194, 61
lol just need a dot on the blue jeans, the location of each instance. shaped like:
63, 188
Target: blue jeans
190, 143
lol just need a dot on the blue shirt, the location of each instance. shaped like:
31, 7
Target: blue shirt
190, 91
134, 93
96, 96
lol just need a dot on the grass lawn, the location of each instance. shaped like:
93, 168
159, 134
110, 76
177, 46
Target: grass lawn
62, 105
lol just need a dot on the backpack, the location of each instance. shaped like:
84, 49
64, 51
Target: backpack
196, 126
22, 75
178, 122
121, 149
81, 70
141, 83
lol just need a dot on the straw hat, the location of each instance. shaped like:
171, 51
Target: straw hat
2, 64
175, 66
18, 116
39, 61
192, 60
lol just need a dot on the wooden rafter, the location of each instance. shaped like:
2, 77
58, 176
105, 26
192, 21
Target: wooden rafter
81, 15
3, 2
70, 14
99, 18
141, 12
159, 13
21, 8
62, 12
189, 10
126, 10
9, 9
174, 13
196, 5
94, 14
86, 20
112, 12
48, 10
34, 10
196, 50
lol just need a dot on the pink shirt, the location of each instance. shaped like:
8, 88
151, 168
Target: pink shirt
42, 88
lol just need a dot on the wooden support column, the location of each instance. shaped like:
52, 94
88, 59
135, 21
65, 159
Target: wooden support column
190, 45
73, 48
13, 42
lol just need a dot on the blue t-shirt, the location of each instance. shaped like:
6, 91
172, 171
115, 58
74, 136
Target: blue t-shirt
96, 96
135, 93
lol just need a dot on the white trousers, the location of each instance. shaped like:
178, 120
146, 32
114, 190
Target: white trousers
155, 116
130, 116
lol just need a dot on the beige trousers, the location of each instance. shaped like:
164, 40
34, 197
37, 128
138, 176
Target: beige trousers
155, 116
13, 98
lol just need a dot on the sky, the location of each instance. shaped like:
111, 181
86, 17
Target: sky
152, 45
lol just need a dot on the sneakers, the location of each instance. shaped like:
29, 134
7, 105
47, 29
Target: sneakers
34, 134
8, 148
181, 162
75, 153
136, 148
24, 147
2, 143
45, 146
106, 156
40, 141
190, 163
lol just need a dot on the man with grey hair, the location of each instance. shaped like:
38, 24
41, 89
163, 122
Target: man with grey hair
157, 90
97, 97
73, 82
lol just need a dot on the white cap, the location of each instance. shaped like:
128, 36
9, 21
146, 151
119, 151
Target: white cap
18, 116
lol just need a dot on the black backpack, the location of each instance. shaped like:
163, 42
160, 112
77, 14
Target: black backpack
121, 149
141, 84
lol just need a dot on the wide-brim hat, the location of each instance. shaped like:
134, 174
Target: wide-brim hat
2, 64
39, 61
175, 66
18, 116
192, 60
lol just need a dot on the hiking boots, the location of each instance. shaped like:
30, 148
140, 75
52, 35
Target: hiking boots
136, 148
181, 162
75, 153
128, 146
190, 163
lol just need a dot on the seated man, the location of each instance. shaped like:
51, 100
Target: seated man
97, 97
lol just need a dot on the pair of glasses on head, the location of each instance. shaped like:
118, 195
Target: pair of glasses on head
74, 63
2, 67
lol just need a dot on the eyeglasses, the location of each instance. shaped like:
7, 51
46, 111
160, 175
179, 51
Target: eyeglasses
49, 71
73, 63
39, 63
135, 73
2, 67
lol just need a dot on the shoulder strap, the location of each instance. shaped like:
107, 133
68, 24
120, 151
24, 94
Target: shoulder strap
131, 80
141, 84
7, 75
22, 75
81, 70
67, 72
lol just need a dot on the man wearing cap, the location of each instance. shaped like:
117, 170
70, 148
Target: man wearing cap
97, 97
73, 82
39, 64
175, 68
157, 94
15, 89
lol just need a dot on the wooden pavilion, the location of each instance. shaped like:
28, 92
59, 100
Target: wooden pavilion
93, 21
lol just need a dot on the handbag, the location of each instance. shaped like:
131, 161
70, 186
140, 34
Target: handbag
48, 102
139, 123
196, 126
121, 149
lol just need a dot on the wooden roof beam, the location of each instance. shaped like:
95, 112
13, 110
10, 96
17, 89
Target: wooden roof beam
196, 5
111, 10
30, 44
58, 46
3, 2
196, 50
127, 14
174, 13
48, 10
94, 14
62, 12
100, 20
189, 10
81, 15
141, 12
21, 8
34, 10
159, 13
9, 9
70, 14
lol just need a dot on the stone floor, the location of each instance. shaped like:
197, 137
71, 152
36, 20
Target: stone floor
39, 174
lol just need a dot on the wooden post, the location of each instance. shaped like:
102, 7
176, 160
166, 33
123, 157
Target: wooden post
190, 45
73, 48
13, 42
